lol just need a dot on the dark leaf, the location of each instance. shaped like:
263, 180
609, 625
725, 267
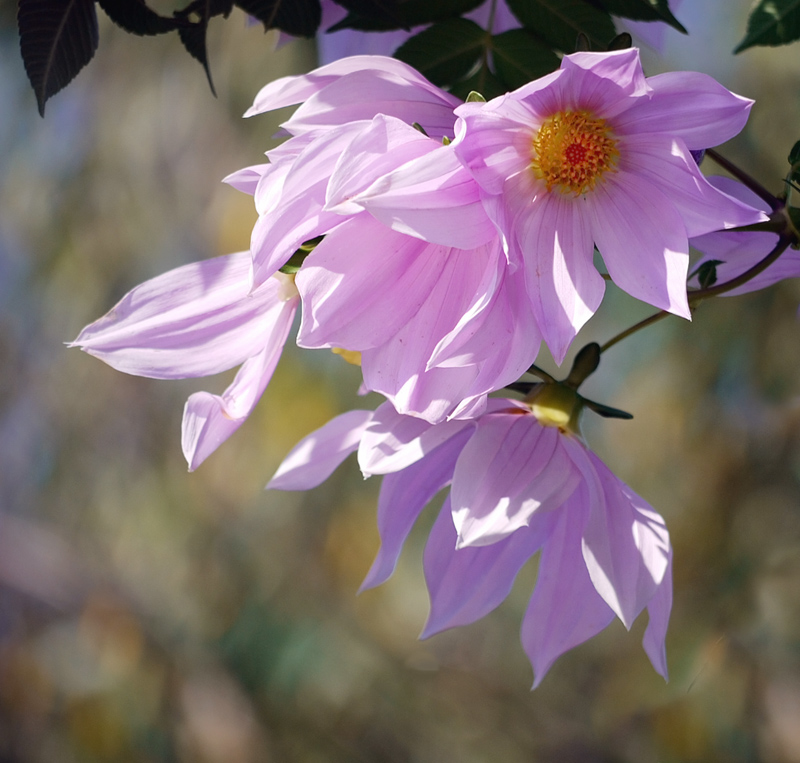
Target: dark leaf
794, 154
520, 58
584, 365
372, 15
299, 18
558, 22
193, 36
622, 41
772, 22
134, 16
482, 82
707, 273
409, 14
57, 39
445, 52
643, 10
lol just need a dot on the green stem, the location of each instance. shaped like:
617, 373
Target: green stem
633, 329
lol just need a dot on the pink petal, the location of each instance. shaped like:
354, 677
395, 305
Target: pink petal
564, 610
467, 583
642, 239
690, 106
511, 468
393, 442
315, 457
196, 320
669, 166
554, 239
209, 420
625, 543
403, 496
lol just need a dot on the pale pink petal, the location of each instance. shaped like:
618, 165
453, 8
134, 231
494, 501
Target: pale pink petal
208, 420
403, 496
625, 543
510, 469
669, 166
433, 197
196, 320
687, 105
564, 610
363, 283
658, 610
315, 457
385, 144
247, 179
288, 91
393, 441
554, 239
467, 583
642, 239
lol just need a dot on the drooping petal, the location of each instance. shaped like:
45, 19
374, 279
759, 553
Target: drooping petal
625, 543
467, 583
565, 609
511, 468
209, 420
687, 105
399, 369
642, 239
658, 610
246, 180
196, 320
315, 457
363, 283
393, 442
403, 496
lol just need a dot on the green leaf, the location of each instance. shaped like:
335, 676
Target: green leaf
445, 52
408, 14
772, 22
558, 22
520, 58
483, 82
643, 10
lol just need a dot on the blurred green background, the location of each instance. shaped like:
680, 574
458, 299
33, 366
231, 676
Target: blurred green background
149, 615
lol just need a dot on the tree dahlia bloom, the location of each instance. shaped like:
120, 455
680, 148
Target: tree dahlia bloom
735, 252
593, 154
521, 481
197, 320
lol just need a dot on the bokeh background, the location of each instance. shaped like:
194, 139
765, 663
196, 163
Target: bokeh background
149, 615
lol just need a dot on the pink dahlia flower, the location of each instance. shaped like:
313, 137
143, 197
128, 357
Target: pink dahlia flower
521, 481
737, 251
438, 324
198, 320
595, 154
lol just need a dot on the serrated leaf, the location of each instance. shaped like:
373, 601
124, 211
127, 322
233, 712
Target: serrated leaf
445, 52
483, 82
408, 14
57, 39
299, 18
520, 58
643, 10
134, 16
772, 22
559, 22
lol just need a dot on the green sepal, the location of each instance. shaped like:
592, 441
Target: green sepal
584, 365
606, 411
475, 97
295, 262
707, 273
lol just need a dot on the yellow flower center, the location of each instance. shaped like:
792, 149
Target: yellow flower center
573, 150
